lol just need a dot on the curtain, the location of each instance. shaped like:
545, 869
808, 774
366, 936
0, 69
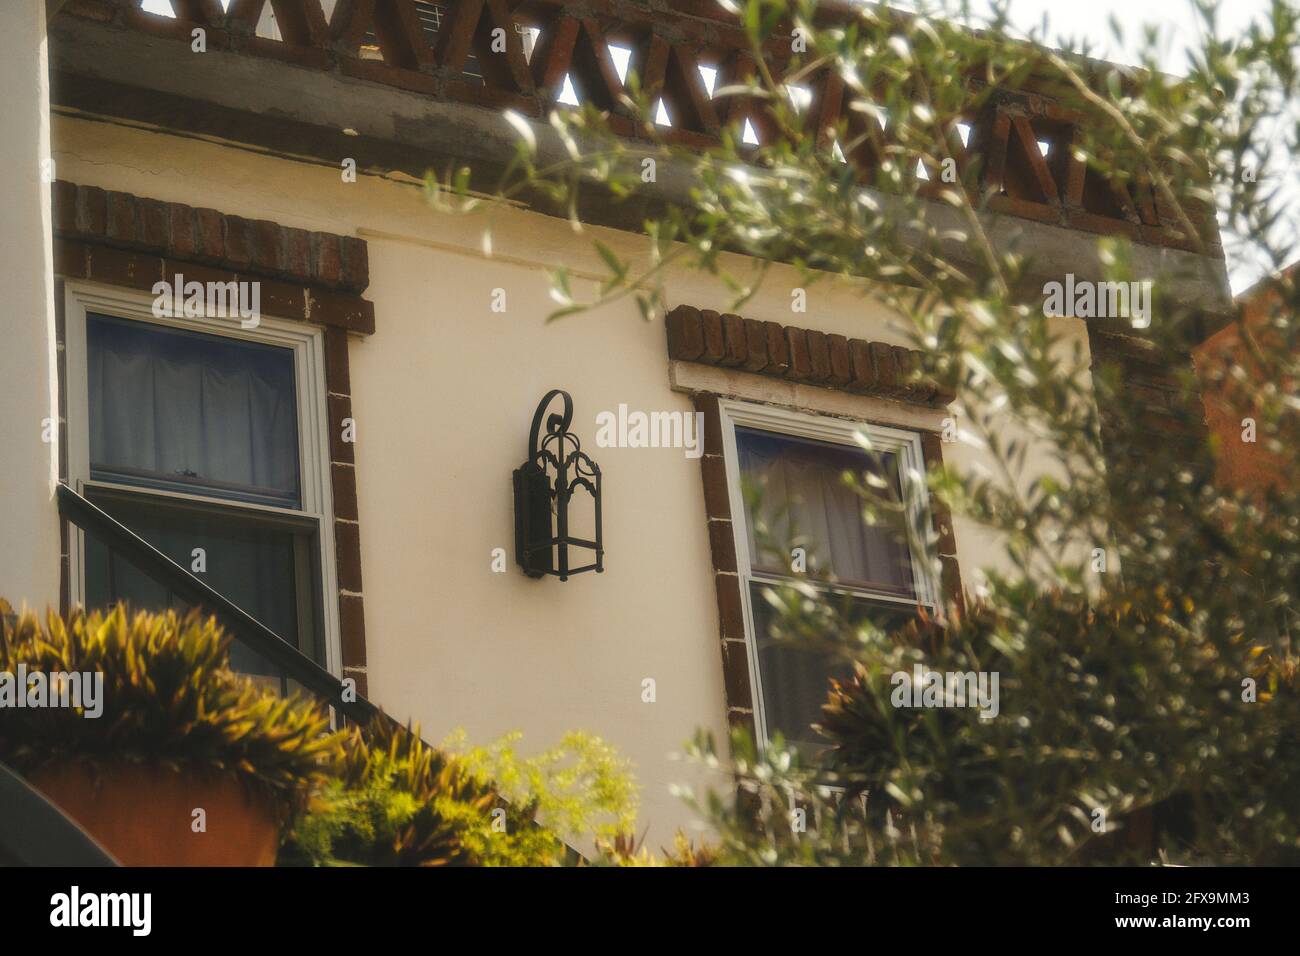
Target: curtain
795, 494
796, 491
182, 409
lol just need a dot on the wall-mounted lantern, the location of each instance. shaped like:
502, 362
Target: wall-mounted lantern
544, 488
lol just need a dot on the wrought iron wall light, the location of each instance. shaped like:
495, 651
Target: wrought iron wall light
545, 483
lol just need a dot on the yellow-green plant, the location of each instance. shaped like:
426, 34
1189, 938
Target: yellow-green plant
580, 789
626, 851
392, 800
169, 700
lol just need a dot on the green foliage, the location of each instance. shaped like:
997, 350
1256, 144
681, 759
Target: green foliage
377, 796
1124, 735
394, 801
1143, 714
169, 700
625, 850
579, 790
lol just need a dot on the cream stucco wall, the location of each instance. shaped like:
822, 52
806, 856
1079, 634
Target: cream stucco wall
443, 394
29, 548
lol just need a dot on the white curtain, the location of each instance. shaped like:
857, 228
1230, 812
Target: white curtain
801, 492
175, 405
178, 410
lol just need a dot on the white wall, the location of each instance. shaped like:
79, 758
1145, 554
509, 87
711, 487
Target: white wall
29, 529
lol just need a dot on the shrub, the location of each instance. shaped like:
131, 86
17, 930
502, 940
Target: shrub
390, 800
1151, 725
1124, 735
169, 700
395, 801
580, 789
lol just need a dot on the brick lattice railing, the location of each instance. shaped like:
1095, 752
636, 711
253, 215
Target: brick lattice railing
444, 51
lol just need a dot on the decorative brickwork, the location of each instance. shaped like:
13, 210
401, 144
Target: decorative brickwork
125, 240
315, 277
448, 55
801, 355
726, 579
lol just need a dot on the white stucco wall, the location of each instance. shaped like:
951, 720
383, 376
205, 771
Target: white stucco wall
29, 530
443, 394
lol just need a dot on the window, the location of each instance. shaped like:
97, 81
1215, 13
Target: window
207, 441
786, 472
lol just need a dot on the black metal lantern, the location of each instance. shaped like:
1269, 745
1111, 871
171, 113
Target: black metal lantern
542, 539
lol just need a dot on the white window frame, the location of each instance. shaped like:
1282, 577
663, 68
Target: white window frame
307, 344
911, 462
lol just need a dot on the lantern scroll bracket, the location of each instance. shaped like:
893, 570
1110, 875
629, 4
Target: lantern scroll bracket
545, 486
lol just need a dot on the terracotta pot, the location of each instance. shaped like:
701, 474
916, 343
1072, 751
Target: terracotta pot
144, 815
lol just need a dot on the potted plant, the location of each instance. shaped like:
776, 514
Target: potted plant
151, 742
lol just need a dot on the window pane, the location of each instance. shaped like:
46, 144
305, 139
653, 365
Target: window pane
193, 412
797, 496
257, 564
796, 678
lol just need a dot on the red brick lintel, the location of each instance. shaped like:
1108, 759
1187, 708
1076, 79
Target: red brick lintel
801, 355
127, 240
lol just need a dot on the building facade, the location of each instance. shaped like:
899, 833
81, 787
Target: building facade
341, 468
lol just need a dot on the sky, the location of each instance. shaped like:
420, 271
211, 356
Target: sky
1178, 28
1090, 19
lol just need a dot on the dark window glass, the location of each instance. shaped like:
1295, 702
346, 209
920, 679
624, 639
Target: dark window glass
796, 677
265, 565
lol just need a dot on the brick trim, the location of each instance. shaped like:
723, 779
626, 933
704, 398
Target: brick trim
347, 529
177, 231
945, 539
726, 575
316, 277
807, 356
